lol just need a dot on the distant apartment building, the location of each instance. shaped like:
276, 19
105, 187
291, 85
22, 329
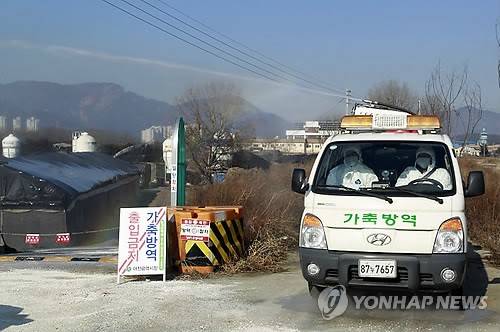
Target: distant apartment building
3, 122
32, 124
155, 134
17, 123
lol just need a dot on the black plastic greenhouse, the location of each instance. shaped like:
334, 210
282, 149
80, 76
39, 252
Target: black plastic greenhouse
52, 193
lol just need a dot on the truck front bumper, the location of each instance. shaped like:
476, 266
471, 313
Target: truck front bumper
414, 272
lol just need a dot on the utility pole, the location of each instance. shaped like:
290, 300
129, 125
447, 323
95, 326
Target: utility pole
347, 95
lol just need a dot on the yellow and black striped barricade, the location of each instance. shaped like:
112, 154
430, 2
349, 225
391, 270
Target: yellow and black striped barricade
208, 237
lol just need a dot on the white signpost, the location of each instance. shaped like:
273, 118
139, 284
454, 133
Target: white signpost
142, 245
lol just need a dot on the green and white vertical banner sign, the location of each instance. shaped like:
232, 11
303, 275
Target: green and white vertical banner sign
178, 175
142, 248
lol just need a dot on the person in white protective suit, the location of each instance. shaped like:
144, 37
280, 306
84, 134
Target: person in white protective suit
425, 168
352, 172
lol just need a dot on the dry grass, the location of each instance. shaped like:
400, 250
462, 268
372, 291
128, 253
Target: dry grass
483, 211
271, 213
267, 252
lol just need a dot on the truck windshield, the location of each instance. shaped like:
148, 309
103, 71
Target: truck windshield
386, 167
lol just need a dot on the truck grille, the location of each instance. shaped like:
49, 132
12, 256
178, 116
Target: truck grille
333, 273
426, 279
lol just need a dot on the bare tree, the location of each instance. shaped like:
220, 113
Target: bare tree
393, 93
431, 104
473, 111
210, 111
442, 92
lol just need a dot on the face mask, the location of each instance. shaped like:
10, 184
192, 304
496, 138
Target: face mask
351, 161
423, 162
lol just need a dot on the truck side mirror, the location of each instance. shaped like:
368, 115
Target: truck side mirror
475, 184
299, 184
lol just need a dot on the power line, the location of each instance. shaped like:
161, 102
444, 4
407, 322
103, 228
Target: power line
245, 46
127, 12
239, 50
207, 43
188, 42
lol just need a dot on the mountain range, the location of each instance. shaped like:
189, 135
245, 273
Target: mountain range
489, 120
108, 106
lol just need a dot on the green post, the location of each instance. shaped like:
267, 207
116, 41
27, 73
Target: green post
181, 164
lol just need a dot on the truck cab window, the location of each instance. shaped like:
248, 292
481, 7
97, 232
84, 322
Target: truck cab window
418, 166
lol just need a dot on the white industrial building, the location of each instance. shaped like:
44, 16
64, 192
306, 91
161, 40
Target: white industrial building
17, 123
468, 150
285, 146
318, 130
305, 138
32, 124
155, 134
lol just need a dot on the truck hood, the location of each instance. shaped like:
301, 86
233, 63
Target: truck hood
352, 222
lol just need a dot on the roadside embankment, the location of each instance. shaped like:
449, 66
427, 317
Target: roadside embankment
483, 211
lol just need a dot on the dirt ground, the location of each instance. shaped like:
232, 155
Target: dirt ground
38, 296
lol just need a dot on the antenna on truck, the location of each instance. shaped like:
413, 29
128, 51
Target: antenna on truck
397, 108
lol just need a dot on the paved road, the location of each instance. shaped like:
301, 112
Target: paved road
109, 248
38, 296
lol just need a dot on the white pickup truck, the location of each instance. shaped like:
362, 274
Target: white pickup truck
384, 205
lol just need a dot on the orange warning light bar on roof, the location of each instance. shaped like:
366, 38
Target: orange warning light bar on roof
390, 122
423, 122
356, 121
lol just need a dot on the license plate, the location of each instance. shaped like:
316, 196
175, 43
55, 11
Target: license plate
371, 268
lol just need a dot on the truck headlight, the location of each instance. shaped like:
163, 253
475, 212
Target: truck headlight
450, 237
312, 234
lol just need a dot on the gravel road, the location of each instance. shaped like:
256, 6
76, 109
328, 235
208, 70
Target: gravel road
38, 296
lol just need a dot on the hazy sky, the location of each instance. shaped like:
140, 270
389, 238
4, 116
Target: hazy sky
349, 44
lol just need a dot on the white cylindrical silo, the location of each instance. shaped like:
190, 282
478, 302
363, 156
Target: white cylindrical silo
11, 146
85, 143
74, 138
483, 138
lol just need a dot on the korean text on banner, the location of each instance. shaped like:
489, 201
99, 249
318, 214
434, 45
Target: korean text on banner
142, 241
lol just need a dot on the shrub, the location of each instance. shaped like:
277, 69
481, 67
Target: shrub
482, 212
271, 213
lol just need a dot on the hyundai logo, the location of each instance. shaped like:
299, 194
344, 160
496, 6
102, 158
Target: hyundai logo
379, 239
